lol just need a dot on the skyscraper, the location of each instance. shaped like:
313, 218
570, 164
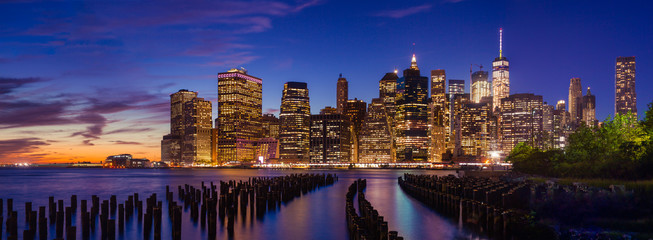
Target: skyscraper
375, 140
295, 118
438, 115
476, 128
355, 111
575, 98
480, 86
330, 137
521, 116
342, 94
388, 93
173, 143
500, 76
239, 115
412, 115
456, 86
198, 132
560, 125
589, 109
625, 96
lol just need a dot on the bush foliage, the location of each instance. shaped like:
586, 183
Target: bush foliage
621, 148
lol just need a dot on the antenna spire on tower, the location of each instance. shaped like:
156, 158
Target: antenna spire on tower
500, 42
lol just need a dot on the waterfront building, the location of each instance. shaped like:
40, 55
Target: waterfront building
476, 128
411, 119
625, 96
239, 116
342, 94
171, 149
500, 76
267, 148
456, 86
330, 133
589, 109
575, 98
480, 86
177, 120
197, 146
355, 111
295, 118
388, 93
125, 161
375, 144
438, 115
521, 120
457, 107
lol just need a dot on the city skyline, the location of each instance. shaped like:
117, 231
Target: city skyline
79, 119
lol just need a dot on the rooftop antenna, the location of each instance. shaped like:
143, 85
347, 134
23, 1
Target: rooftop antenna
500, 42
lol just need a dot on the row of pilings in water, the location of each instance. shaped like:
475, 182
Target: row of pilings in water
207, 205
369, 225
492, 207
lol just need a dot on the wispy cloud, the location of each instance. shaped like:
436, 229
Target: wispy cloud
400, 13
126, 142
13, 147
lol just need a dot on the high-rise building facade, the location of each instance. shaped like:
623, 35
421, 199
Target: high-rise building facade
438, 115
575, 98
456, 86
295, 118
500, 76
355, 111
173, 144
342, 94
412, 115
588, 107
198, 132
239, 116
561, 127
375, 144
625, 96
330, 137
388, 93
480, 86
521, 116
476, 128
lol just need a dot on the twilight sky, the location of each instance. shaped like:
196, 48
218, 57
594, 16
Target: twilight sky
81, 80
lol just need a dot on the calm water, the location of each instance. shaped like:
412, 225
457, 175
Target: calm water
319, 214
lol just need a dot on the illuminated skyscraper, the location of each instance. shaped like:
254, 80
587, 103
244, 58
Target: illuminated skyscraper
547, 125
575, 98
239, 115
388, 93
375, 140
561, 126
625, 96
500, 76
476, 128
172, 144
355, 111
295, 118
198, 132
456, 110
521, 116
589, 109
330, 137
342, 93
480, 86
412, 115
177, 101
438, 115
456, 86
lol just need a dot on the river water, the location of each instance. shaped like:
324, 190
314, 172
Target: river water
320, 214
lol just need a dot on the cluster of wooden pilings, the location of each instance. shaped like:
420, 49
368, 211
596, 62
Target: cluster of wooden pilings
492, 207
369, 225
61, 216
206, 204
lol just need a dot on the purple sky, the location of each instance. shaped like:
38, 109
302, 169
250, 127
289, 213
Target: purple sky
80, 80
